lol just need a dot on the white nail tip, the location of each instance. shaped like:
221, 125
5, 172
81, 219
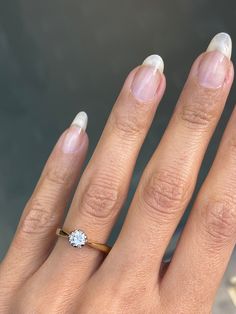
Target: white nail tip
81, 120
221, 42
155, 61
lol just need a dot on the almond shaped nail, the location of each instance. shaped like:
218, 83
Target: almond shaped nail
81, 120
155, 61
148, 78
72, 138
214, 66
221, 42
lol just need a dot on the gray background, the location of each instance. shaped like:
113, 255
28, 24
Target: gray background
58, 57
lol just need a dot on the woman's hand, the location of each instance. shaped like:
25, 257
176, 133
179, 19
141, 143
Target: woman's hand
43, 274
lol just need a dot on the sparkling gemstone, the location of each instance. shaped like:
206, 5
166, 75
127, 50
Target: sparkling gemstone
77, 238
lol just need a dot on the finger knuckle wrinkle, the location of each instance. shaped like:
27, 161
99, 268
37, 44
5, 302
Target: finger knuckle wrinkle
197, 114
232, 145
164, 193
58, 177
219, 219
129, 124
39, 217
100, 201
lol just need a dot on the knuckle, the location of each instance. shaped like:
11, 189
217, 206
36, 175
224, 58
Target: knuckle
100, 200
57, 176
130, 123
127, 125
232, 145
40, 217
200, 113
164, 194
219, 221
127, 296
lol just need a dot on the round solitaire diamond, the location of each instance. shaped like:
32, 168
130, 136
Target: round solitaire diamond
77, 238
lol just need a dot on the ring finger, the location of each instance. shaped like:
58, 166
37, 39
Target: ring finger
104, 184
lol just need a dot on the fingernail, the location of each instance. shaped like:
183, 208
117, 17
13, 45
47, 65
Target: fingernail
81, 120
214, 67
148, 78
73, 136
221, 42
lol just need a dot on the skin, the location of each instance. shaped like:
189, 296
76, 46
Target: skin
44, 274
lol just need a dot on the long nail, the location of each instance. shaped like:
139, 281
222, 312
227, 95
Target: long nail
148, 78
72, 138
81, 120
214, 66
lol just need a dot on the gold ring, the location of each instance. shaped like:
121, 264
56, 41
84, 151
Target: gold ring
78, 239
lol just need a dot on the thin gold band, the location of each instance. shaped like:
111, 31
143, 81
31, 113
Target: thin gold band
98, 246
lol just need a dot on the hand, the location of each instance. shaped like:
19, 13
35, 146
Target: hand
45, 274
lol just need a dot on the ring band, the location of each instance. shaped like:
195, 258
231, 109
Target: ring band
78, 238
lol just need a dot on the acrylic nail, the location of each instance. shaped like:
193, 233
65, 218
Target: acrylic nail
213, 68
148, 78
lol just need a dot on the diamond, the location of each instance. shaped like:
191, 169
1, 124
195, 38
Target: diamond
77, 238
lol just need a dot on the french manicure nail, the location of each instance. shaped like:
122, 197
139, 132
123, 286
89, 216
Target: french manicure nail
81, 120
214, 67
148, 78
72, 138
221, 42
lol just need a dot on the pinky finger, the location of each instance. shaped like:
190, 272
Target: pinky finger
35, 235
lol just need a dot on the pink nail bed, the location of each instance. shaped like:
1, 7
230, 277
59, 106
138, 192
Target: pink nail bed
213, 70
146, 83
72, 139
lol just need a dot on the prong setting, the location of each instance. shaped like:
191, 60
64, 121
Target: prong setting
77, 238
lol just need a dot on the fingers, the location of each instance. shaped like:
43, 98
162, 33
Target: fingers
169, 179
210, 234
35, 235
104, 184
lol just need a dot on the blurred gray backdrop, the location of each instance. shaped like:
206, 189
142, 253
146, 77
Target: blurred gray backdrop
58, 57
